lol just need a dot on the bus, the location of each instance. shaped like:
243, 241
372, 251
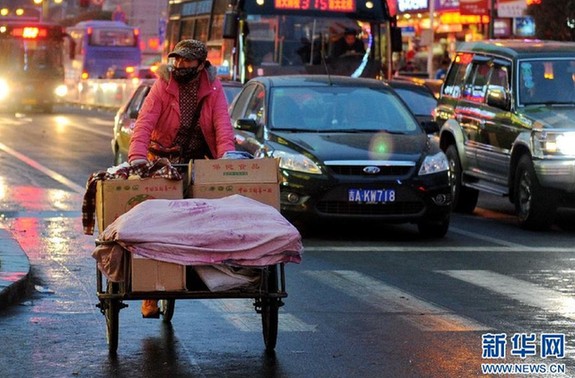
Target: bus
100, 49
31, 64
274, 37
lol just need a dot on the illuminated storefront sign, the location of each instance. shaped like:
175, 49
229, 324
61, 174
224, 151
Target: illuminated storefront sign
411, 5
477, 7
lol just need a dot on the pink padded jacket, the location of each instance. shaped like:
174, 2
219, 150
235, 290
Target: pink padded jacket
159, 118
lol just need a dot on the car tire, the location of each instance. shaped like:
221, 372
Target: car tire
535, 205
464, 199
433, 229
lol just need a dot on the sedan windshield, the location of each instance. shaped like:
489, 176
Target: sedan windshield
547, 81
420, 102
339, 109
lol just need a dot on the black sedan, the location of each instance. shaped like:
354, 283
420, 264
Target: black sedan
420, 98
349, 149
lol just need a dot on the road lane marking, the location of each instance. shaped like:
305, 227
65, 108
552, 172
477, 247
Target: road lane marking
47, 171
424, 315
351, 248
242, 315
523, 291
106, 133
490, 239
500, 245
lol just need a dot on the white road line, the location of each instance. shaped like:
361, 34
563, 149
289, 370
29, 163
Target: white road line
523, 291
337, 248
243, 316
500, 245
490, 239
106, 133
423, 315
47, 171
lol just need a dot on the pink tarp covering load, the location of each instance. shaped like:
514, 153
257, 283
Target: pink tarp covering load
233, 230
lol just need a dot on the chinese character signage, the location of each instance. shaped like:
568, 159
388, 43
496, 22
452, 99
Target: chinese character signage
511, 8
476, 7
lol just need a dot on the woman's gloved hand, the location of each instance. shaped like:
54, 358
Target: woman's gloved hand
138, 162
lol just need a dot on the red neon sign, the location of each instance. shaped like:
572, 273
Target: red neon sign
317, 5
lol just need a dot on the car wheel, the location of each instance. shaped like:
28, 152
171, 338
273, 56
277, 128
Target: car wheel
464, 199
535, 206
433, 229
119, 158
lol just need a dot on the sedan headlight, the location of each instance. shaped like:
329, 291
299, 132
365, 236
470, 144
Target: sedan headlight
61, 90
433, 164
554, 143
4, 89
296, 162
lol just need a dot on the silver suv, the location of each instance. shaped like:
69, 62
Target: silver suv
507, 117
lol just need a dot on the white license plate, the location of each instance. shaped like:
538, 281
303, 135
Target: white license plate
371, 195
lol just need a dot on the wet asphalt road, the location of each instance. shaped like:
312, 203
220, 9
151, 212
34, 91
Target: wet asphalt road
366, 301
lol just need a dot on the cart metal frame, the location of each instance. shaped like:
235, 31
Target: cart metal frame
267, 300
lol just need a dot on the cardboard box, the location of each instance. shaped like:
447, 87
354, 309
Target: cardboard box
233, 171
154, 275
254, 178
265, 193
115, 197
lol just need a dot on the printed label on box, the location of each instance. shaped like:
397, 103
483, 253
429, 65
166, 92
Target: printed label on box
234, 171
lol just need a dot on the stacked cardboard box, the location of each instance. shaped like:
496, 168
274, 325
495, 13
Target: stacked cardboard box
254, 178
114, 198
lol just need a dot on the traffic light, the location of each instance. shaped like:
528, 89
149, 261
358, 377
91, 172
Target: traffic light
84, 3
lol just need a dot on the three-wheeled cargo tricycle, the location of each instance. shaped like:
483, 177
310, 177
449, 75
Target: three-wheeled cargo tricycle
267, 296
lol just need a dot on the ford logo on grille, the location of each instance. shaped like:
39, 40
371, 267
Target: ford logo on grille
371, 170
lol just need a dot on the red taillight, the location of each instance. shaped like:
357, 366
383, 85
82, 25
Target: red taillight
29, 32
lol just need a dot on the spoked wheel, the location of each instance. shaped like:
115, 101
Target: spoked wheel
167, 309
112, 312
269, 311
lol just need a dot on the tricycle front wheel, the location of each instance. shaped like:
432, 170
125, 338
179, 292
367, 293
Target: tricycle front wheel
111, 313
167, 309
269, 312
270, 308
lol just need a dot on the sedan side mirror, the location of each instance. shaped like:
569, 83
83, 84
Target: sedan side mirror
499, 98
430, 127
246, 124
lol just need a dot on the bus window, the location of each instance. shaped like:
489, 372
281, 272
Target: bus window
112, 37
99, 48
282, 37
